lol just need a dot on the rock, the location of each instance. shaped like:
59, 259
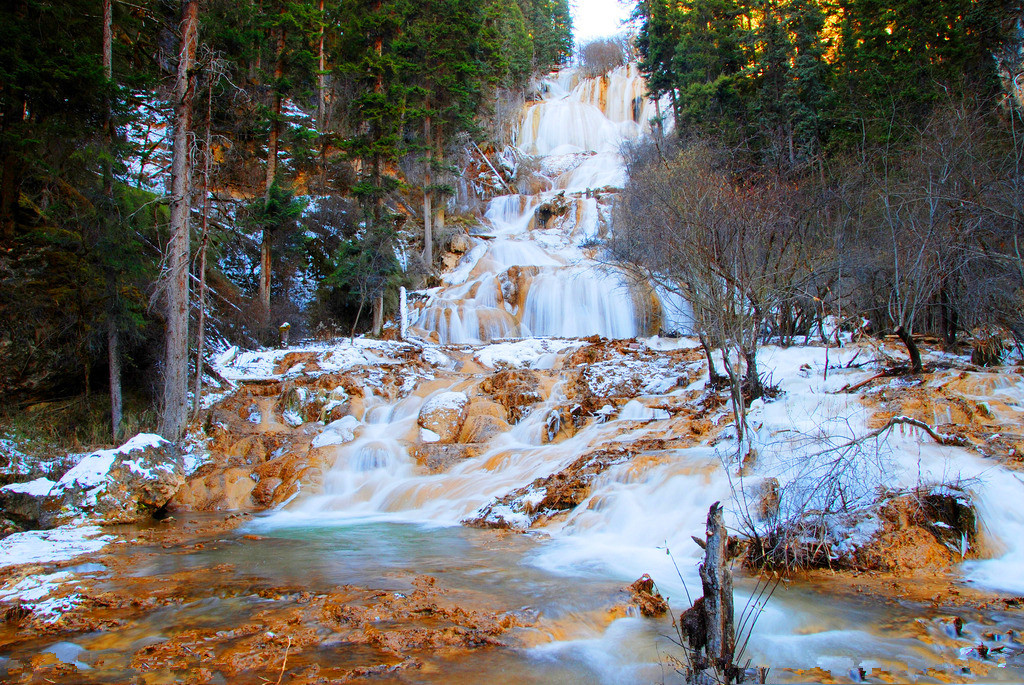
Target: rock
122, 485
263, 493
515, 389
647, 599
140, 483
437, 456
292, 406
25, 501
449, 261
482, 428
459, 244
444, 414
556, 206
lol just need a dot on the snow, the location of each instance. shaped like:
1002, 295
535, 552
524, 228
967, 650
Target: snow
92, 469
337, 432
524, 353
38, 487
34, 587
58, 544
427, 435
445, 401
461, 273
435, 357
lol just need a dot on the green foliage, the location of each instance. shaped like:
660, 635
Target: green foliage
793, 77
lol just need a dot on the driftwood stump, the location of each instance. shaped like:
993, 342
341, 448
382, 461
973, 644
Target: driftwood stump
708, 624
716, 579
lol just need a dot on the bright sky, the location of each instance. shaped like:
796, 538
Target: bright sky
598, 18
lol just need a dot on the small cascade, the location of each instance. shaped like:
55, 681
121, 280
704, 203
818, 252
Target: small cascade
530, 270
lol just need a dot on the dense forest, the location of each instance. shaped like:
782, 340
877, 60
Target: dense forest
297, 162
856, 158
263, 155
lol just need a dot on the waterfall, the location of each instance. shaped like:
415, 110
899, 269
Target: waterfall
529, 271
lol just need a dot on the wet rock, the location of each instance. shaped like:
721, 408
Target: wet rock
438, 456
648, 600
444, 415
517, 390
556, 206
561, 491
482, 428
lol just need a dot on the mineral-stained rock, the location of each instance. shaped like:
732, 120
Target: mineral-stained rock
120, 485
646, 598
515, 389
482, 428
140, 483
438, 456
444, 414
24, 501
459, 244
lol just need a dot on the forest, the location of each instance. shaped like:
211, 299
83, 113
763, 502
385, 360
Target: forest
857, 159
424, 342
260, 155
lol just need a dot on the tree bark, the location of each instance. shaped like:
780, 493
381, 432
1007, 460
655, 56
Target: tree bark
114, 358
204, 241
272, 150
378, 314
113, 337
915, 354
428, 236
716, 579
175, 392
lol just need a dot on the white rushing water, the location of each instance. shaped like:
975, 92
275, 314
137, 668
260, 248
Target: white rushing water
526, 277
521, 278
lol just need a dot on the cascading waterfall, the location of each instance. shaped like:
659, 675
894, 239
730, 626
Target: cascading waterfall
522, 277
527, 275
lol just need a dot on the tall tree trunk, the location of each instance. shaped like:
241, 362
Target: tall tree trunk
321, 80
378, 314
113, 334
204, 241
114, 359
321, 103
439, 159
272, 149
428, 212
175, 395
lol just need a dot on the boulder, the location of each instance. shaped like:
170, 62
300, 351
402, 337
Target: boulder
25, 501
459, 244
122, 485
444, 415
140, 482
482, 428
437, 456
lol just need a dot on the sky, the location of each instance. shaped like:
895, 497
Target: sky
597, 18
